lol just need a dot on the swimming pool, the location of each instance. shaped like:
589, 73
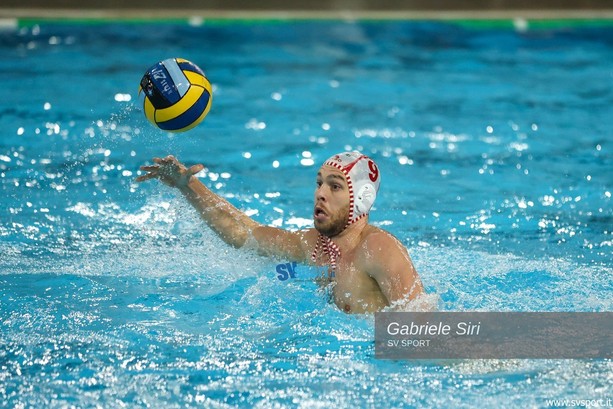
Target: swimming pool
495, 151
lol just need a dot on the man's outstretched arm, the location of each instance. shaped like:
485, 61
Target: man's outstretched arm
232, 225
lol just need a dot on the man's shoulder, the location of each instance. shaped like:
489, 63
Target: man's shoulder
310, 234
379, 243
382, 253
374, 235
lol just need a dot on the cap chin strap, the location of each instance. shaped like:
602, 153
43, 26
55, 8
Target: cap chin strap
329, 248
325, 245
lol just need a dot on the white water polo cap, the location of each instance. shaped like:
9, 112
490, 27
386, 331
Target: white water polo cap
363, 180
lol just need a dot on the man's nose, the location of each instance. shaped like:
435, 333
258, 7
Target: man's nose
320, 193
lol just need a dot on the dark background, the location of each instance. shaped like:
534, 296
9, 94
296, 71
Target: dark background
8, 7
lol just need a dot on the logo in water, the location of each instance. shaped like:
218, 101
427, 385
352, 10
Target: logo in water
286, 271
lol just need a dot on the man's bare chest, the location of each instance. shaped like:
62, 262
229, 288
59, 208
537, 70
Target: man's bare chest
354, 290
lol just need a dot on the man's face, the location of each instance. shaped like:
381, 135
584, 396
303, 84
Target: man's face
331, 212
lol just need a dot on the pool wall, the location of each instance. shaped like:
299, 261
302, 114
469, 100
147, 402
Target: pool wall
381, 9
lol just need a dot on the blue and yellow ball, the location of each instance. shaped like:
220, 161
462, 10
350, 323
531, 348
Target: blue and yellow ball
177, 95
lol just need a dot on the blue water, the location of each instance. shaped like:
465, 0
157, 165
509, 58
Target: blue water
495, 148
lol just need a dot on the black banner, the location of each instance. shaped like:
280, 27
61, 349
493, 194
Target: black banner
495, 335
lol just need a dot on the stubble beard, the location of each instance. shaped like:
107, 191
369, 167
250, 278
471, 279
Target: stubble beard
335, 225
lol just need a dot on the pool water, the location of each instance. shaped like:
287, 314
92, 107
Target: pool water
495, 148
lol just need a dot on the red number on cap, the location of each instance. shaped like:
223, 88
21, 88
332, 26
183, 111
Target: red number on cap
374, 171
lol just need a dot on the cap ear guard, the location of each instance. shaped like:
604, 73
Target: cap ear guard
365, 198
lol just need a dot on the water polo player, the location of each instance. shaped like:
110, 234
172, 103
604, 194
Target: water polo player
368, 269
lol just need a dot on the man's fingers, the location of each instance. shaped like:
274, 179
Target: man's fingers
195, 169
167, 159
168, 170
148, 176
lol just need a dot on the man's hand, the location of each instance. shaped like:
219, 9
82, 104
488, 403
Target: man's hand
170, 171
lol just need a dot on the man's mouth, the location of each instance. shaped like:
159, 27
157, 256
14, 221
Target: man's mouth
319, 213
